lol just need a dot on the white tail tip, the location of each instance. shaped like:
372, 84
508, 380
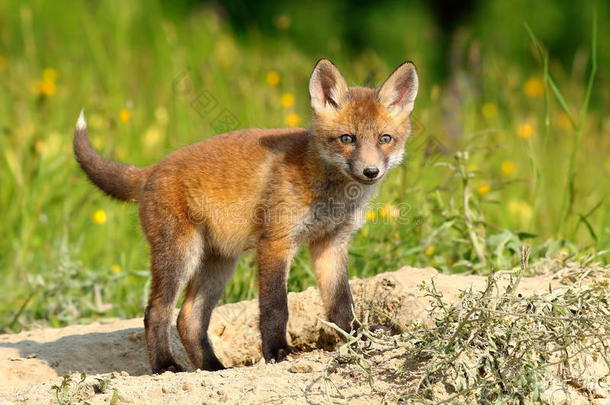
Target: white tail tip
81, 123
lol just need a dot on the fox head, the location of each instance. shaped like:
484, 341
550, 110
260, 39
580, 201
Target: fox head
361, 131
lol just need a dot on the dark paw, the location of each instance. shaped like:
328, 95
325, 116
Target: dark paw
213, 366
173, 367
275, 355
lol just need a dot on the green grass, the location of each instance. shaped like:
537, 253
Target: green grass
469, 194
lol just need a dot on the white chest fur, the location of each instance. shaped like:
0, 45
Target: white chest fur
341, 209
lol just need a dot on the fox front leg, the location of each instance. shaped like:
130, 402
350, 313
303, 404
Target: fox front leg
274, 259
329, 256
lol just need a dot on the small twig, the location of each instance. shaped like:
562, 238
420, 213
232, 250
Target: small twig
21, 309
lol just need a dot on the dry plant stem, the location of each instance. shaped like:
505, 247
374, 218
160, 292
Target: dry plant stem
470, 224
468, 217
21, 309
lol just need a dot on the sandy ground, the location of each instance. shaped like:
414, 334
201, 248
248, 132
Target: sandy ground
32, 362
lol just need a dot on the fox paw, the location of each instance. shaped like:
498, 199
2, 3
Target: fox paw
277, 354
173, 367
213, 365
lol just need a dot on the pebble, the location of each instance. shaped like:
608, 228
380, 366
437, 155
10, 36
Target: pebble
125, 400
300, 366
222, 396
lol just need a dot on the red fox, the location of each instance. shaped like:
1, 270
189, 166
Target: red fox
265, 189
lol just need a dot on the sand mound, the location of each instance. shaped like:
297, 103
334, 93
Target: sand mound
113, 356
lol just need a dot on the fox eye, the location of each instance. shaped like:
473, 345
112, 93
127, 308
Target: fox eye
385, 138
347, 139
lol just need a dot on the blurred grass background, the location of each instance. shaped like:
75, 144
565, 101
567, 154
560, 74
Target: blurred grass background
511, 141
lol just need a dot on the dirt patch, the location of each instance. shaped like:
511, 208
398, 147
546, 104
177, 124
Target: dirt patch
113, 356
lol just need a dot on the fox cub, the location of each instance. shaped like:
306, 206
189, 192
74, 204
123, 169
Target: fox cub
264, 189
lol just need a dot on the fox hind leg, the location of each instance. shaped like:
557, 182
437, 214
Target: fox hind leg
203, 292
176, 256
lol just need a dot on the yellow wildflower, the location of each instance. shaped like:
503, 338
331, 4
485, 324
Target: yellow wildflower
534, 87
507, 167
287, 100
472, 167
99, 217
389, 211
125, 115
525, 130
371, 215
292, 119
116, 268
273, 78
429, 251
489, 110
46, 86
483, 189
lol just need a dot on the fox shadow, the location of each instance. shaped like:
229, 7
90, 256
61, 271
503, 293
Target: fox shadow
90, 353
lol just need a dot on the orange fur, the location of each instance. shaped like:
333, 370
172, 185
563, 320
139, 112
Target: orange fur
205, 204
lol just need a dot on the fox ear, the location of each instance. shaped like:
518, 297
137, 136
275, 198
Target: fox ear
327, 87
400, 89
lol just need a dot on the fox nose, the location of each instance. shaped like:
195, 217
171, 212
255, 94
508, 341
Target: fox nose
371, 172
